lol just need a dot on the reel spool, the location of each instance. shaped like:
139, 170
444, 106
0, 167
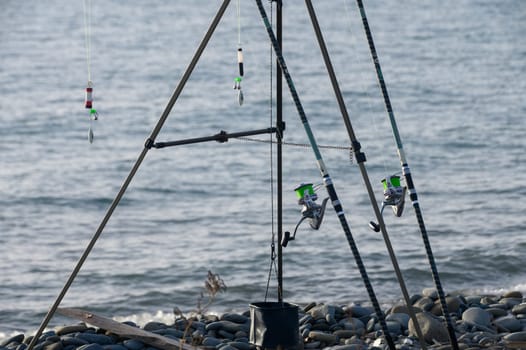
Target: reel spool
394, 196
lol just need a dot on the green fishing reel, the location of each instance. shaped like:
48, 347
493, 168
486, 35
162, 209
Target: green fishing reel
311, 210
394, 196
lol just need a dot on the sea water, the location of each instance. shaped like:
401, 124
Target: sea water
456, 77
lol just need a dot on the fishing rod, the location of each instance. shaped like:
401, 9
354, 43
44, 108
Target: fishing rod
326, 177
360, 159
147, 146
408, 178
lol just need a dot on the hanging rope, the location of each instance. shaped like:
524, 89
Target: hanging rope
271, 148
93, 115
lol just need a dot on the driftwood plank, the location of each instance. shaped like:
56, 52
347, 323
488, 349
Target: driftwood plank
125, 330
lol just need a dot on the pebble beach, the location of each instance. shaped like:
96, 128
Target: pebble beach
480, 322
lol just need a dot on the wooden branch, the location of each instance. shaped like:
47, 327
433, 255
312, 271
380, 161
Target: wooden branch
125, 330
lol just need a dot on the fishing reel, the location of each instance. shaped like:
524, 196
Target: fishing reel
311, 210
394, 196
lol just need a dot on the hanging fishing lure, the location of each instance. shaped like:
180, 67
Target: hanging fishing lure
93, 115
310, 210
239, 78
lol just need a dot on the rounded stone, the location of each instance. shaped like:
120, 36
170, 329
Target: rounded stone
17, 339
70, 340
424, 303
344, 333
133, 344
401, 318
307, 318
312, 345
239, 345
473, 300
513, 294
478, 316
227, 347
519, 309
327, 338
81, 327
211, 342
403, 309
430, 293
508, 323
323, 311
358, 311
515, 340
432, 328
497, 312
394, 327
55, 346
510, 302
228, 326
115, 347
93, 346
233, 317
352, 323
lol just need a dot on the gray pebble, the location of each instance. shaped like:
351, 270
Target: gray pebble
115, 347
95, 338
358, 311
430, 293
478, 316
76, 341
81, 327
239, 345
510, 302
133, 344
236, 318
17, 339
513, 294
312, 345
211, 342
519, 309
323, 337
402, 319
508, 323
93, 346
497, 312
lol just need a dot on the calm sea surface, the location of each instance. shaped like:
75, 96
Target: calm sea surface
456, 74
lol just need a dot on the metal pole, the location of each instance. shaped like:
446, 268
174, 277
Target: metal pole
279, 137
127, 181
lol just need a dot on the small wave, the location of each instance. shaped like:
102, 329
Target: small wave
143, 318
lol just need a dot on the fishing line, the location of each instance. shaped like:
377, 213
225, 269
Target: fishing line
360, 81
295, 144
93, 115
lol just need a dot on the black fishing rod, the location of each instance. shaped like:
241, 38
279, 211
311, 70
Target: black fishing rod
326, 177
360, 159
408, 178
147, 146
